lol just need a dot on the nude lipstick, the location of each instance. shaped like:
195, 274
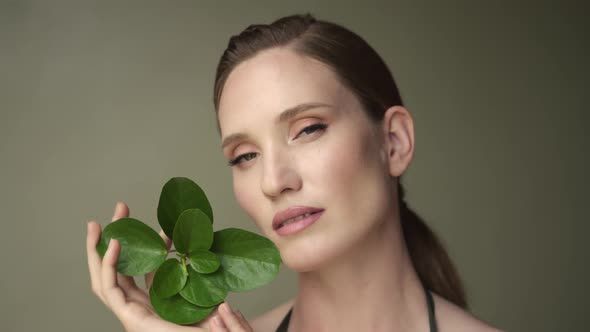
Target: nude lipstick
295, 219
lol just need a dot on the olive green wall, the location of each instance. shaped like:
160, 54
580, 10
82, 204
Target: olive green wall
105, 100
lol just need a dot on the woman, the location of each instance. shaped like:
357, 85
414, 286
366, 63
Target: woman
315, 131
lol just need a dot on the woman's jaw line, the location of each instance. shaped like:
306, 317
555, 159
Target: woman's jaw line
378, 270
384, 242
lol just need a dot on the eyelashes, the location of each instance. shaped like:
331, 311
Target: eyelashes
250, 155
245, 156
310, 129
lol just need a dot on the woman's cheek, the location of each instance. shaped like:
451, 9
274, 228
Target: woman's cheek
349, 173
253, 202
339, 164
245, 195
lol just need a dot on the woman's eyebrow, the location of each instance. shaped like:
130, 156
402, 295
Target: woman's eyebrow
285, 115
292, 112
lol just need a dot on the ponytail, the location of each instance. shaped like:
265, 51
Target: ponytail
430, 259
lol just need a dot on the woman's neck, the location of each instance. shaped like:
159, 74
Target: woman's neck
373, 287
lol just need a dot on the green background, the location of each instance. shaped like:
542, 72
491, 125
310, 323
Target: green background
106, 100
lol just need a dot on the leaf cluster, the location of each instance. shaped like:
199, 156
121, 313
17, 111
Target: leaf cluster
208, 264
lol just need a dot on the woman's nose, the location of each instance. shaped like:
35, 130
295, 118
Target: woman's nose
279, 174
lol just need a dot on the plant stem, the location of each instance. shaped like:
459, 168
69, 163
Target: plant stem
183, 261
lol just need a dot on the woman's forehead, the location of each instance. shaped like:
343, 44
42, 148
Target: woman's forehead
275, 80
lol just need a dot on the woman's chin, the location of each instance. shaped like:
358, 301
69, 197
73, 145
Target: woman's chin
306, 257
302, 265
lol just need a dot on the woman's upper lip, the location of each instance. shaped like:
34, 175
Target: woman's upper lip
292, 212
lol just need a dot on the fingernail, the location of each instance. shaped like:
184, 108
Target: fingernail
225, 307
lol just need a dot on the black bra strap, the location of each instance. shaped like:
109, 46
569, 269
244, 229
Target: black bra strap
431, 318
285, 323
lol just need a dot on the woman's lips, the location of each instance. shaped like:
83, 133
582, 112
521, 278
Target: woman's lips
295, 219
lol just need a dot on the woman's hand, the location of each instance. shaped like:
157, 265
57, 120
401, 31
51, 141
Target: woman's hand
229, 320
130, 303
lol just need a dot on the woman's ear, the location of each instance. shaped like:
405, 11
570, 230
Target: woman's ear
398, 127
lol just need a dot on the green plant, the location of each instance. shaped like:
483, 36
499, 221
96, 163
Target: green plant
209, 264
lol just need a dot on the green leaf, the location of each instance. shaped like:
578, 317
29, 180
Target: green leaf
204, 289
193, 231
179, 194
248, 260
170, 278
204, 261
142, 249
177, 310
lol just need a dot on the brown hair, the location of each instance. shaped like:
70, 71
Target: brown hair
363, 71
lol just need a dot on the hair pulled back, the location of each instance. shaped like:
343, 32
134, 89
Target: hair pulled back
364, 72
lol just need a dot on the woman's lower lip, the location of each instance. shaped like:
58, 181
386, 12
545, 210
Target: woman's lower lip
298, 225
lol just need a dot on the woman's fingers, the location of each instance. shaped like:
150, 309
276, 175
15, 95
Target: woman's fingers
126, 282
231, 321
150, 276
217, 325
241, 318
111, 292
116, 298
121, 211
94, 261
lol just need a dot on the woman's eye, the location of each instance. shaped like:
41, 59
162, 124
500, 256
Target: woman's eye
251, 155
311, 129
245, 156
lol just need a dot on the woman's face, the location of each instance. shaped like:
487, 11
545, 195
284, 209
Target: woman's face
299, 138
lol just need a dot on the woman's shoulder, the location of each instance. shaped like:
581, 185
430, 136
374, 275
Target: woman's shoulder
451, 317
270, 320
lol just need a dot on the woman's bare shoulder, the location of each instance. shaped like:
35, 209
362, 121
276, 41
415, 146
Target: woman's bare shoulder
270, 320
450, 317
